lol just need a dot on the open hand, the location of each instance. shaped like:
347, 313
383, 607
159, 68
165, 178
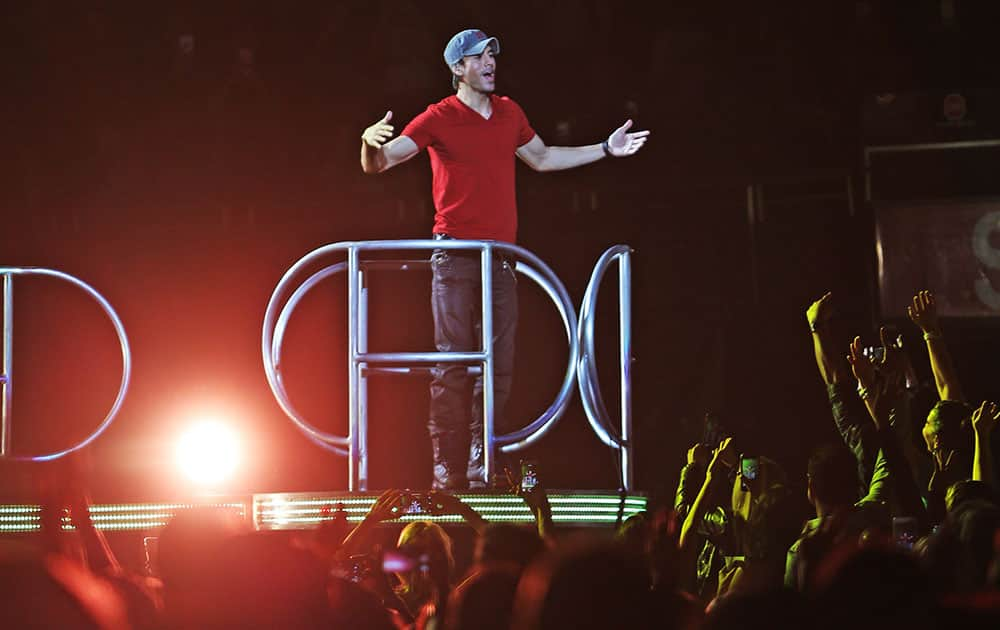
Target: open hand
379, 133
862, 366
985, 419
699, 454
923, 312
724, 458
622, 144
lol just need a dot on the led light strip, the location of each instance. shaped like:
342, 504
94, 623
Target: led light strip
111, 517
306, 510
291, 511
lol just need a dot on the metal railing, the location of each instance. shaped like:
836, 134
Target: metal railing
361, 362
7, 377
590, 390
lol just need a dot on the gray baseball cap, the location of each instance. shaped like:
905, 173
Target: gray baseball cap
469, 42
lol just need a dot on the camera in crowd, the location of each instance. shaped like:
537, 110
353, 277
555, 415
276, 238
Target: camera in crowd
749, 467
360, 567
416, 504
529, 476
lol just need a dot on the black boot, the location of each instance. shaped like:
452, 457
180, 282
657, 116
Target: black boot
476, 471
449, 462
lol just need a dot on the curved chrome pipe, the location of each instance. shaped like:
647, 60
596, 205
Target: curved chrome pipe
328, 441
275, 321
590, 391
7, 377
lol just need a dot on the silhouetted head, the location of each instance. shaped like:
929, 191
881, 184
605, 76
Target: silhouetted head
52, 591
504, 542
947, 429
774, 608
586, 584
872, 585
431, 547
968, 490
484, 600
832, 477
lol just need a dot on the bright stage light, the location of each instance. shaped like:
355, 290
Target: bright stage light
208, 452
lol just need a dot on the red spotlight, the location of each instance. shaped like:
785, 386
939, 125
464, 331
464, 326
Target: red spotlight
208, 452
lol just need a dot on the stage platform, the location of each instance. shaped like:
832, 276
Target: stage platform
306, 510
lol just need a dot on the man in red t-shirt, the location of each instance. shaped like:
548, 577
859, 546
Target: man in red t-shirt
472, 138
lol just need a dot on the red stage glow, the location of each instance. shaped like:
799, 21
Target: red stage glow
208, 452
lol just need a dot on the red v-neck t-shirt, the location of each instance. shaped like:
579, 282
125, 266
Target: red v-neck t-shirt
472, 161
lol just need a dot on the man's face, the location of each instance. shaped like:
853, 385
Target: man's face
479, 71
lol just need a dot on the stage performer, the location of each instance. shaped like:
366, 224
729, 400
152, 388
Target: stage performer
472, 138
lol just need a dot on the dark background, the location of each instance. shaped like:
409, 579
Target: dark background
182, 186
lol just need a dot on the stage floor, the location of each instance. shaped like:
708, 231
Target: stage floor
306, 510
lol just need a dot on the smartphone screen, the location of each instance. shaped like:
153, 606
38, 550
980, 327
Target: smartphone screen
904, 531
876, 354
529, 476
414, 506
749, 465
396, 562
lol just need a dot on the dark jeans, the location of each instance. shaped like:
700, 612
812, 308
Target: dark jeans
456, 408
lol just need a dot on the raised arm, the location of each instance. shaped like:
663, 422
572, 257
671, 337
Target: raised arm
881, 393
100, 557
620, 143
723, 459
832, 366
378, 153
849, 415
923, 312
444, 503
692, 477
386, 507
984, 420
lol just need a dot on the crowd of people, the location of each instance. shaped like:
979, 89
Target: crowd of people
900, 536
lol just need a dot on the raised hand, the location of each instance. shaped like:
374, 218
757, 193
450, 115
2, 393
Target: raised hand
861, 366
923, 312
622, 144
820, 312
699, 454
379, 133
387, 507
444, 503
985, 419
895, 359
724, 458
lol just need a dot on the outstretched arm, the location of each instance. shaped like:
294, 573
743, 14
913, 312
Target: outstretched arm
984, 420
724, 458
620, 143
100, 557
832, 367
692, 477
378, 153
443, 503
537, 500
881, 394
923, 312
848, 414
386, 507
